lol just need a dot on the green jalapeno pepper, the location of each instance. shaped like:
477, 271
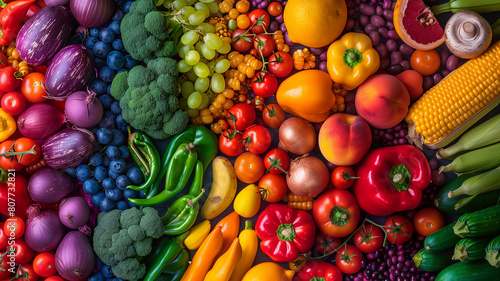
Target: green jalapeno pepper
182, 214
146, 156
174, 270
197, 182
167, 254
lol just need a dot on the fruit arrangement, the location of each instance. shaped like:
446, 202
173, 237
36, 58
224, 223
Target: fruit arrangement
249, 140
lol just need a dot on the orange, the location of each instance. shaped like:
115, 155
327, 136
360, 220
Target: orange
315, 23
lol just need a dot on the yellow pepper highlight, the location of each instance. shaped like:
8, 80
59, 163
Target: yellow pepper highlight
249, 246
224, 266
197, 234
7, 125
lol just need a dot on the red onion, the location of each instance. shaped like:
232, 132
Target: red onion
74, 257
307, 176
68, 148
56, 2
74, 212
84, 109
40, 121
44, 230
92, 13
49, 186
297, 136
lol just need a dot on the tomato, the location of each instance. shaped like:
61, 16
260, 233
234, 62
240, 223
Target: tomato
44, 264
23, 253
13, 103
369, 238
273, 115
325, 244
273, 187
243, 6
275, 9
280, 64
241, 116
343, 177
230, 143
428, 221
9, 79
265, 43
4, 266
257, 139
242, 43
425, 62
34, 8
249, 167
26, 144
4, 239
336, 213
399, 229
260, 20
17, 185
349, 259
26, 273
32, 88
14, 225
9, 162
277, 161
264, 84
54, 278
3, 60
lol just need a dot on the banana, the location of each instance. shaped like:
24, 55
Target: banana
478, 6
223, 188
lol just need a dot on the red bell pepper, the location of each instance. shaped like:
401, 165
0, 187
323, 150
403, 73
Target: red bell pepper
391, 179
285, 232
317, 270
14, 196
11, 20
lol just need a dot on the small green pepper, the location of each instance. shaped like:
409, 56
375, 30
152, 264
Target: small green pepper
197, 182
146, 156
168, 253
179, 261
174, 276
182, 214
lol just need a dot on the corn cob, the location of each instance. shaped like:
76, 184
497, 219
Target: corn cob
481, 159
457, 102
479, 184
478, 6
299, 202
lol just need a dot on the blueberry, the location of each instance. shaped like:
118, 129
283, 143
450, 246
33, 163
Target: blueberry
98, 263
115, 107
108, 120
130, 193
107, 74
135, 175
106, 161
101, 49
120, 121
108, 183
121, 205
100, 173
98, 146
94, 130
115, 194
117, 166
71, 171
115, 60
96, 276
94, 32
117, 44
115, 26
108, 90
124, 152
89, 43
107, 35
118, 137
130, 62
121, 2
122, 182
126, 6
123, 129
96, 159
83, 172
96, 198
118, 15
113, 175
104, 135
132, 205
142, 194
113, 152
106, 271
91, 186
99, 62
106, 101
98, 86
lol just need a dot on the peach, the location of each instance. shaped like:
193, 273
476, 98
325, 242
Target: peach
413, 82
344, 139
382, 100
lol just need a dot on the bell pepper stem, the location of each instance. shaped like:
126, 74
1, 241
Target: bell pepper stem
286, 232
195, 200
352, 57
339, 216
248, 224
2, 5
400, 177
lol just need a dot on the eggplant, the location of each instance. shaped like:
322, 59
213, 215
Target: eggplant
44, 34
69, 70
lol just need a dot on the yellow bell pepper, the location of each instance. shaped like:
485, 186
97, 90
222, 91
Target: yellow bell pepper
247, 202
268, 271
224, 266
7, 125
197, 234
249, 246
352, 59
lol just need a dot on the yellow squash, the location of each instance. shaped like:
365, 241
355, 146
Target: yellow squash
249, 245
268, 271
197, 234
247, 202
224, 266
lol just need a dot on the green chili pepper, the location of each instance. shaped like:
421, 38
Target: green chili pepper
197, 182
179, 261
168, 253
182, 214
146, 157
176, 170
174, 276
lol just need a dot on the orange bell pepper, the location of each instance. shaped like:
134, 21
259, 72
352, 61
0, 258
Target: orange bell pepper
229, 226
225, 265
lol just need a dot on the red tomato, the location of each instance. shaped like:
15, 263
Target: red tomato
13, 103
275, 9
32, 88
241, 116
257, 139
54, 278
230, 143
273, 115
14, 225
22, 252
264, 43
428, 221
34, 8
10, 79
17, 186
369, 238
280, 64
399, 229
4, 266
249, 167
276, 161
273, 187
3, 60
264, 84
325, 244
26, 144
26, 273
242, 43
44, 264
336, 213
343, 177
425, 62
349, 259
9, 162
260, 20
4, 239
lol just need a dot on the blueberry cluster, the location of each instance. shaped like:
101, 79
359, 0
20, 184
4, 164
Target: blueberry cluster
103, 273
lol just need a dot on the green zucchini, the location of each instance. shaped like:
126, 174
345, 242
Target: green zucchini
471, 249
431, 262
493, 252
485, 222
441, 240
479, 270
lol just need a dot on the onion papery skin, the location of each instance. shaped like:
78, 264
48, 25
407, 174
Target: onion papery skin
44, 230
297, 136
92, 13
49, 186
40, 121
307, 176
75, 259
68, 148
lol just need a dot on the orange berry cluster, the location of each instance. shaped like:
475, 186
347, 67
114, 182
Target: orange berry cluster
299, 202
221, 28
225, 6
243, 67
279, 40
303, 59
339, 93
15, 61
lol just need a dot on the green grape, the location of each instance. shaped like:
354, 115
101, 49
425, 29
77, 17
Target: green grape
190, 38
202, 7
218, 83
201, 85
192, 76
197, 17
192, 57
207, 1
192, 112
205, 27
190, 2
194, 100
201, 70
208, 53
232, 25
211, 67
187, 11
183, 66
183, 103
213, 41
222, 65
225, 49
187, 88
211, 97
204, 102
184, 49
198, 46
179, 4
168, 3
213, 7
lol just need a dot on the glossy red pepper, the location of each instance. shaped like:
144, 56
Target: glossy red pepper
11, 20
285, 232
391, 179
318, 271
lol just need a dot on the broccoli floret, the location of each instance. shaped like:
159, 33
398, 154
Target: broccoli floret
120, 241
143, 247
136, 233
155, 24
177, 123
151, 222
168, 84
119, 85
164, 65
129, 269
140, 76
130, 217
168, 49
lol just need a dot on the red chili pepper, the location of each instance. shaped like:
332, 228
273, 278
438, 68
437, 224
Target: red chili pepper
318, 270
11, 20
391, 179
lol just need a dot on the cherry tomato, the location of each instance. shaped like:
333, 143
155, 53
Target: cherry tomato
230, 143
428, 221
343, 177
44, 264
275, 9
273, 115
349, 259
26, 144
369, 238
260, 20
26, 273
243, 6
425, 62
34, 8
4, 266
32, 88
4, 239
243, 43
336, 213
9, 162
22, 252
257, 139
399, 229
3, 60
13, 103
273, 187
54, 278
280, 64
10, 79
265, 43
264, 84
249, 167
276, 161
241, 116
14, 225
325, 244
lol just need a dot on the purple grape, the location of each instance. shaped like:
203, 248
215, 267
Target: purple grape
395, 69
262, 5
322, 66
393, 34
287, 40
351, 12
364, 19
349, 24
357, 2
381, 50
383, 32
452, 62
428, 82
379, 10
323, 56
377, 20
369, 28
385, 63
350, 4
443, 55
387, 15
433, 163
316, 51
405, 64
273, 26
350, 97
389, 25
350, 108
396, 57
391, 45
387, 4
356, 9
445, 72
367, 9
406, 50
279, 18
375, 37
283, 27
437, 78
